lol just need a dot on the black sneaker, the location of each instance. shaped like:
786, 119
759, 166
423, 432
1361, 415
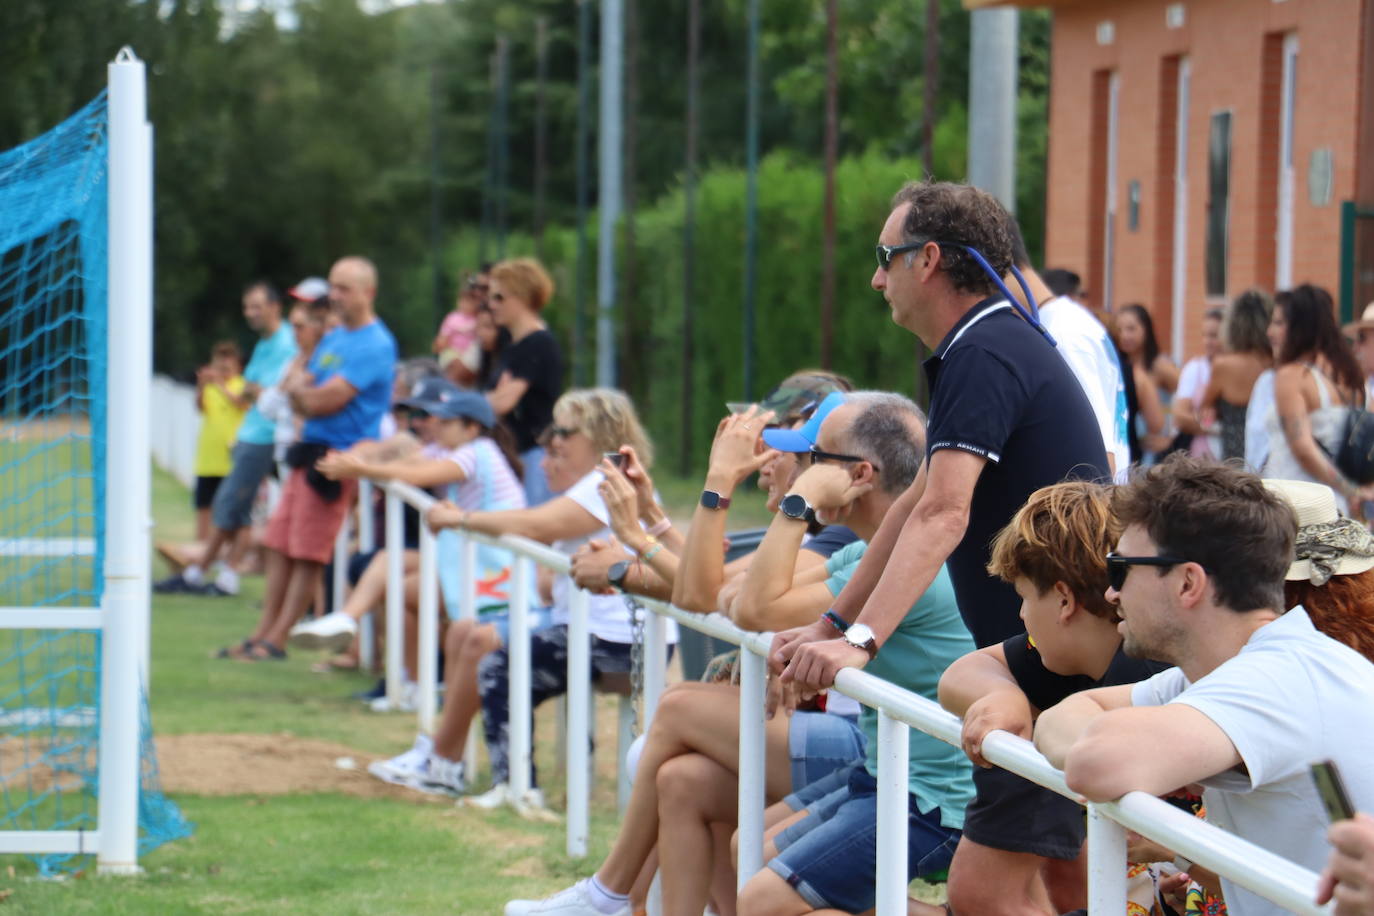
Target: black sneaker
173, 585
209, 590
378, 690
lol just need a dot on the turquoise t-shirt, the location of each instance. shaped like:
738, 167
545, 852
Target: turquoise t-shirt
270, 358
925, 643
366, 358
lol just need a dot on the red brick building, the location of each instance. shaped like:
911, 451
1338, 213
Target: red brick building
1200, 148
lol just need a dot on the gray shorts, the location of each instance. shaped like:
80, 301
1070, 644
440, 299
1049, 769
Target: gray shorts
233, 505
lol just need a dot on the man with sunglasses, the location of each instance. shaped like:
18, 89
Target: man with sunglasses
1007, 417
1257, 694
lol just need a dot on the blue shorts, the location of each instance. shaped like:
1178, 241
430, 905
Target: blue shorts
540, 617
830, 857
820, 743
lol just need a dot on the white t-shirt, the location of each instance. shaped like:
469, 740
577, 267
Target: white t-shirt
1085, 345
503, 487
1257, 420
608, 615
276, 406
1290, 697
1193, 380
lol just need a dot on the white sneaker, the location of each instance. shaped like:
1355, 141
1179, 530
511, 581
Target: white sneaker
332, 631
407, 702
497, 796
571, 902
442, 777
405, 769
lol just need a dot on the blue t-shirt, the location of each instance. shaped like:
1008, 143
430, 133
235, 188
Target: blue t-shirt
271, 355
366, 358
998, 389
928, 640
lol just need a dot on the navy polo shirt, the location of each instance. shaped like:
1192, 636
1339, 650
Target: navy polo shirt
1000, 390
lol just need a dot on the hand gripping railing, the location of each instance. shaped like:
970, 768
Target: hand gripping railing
1266, 874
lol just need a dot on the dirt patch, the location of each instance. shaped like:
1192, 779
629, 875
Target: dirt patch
267, 765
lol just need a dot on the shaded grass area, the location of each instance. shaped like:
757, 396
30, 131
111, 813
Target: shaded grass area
311, 853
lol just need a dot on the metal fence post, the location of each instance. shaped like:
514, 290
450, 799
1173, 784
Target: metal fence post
893, 799
519, 683
367, 542
1106, 865
339, 580
751, 750
579, 734
427, 631
395, 599
467, 610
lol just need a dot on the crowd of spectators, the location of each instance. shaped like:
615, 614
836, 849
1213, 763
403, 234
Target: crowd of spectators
983, 556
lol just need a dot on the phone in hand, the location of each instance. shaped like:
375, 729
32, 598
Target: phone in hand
1331, 789
615, 458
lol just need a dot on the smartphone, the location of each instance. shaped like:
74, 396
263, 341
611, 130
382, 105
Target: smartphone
738, 406
1332, 791
615, 458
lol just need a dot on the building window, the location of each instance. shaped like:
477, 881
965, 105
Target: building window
1218, 202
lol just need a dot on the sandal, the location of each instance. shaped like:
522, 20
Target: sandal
239, 651
263, 651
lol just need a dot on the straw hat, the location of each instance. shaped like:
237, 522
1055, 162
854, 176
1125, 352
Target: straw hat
1365, 323
1327, 544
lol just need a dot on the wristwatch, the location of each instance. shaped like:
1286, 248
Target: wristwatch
795, 506
710, 499
860, 636
617, 573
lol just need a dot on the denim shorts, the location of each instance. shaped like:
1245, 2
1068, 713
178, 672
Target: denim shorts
820, 743
539, 617
233, 502
830, 857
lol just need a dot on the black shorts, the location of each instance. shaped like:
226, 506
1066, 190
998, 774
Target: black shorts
1016, 815
206, 488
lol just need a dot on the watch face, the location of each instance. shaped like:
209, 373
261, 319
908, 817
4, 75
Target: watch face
858, 634
616, 574
793, 506
710, 499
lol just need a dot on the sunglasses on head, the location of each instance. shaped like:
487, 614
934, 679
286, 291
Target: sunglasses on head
1118, 566
816, 454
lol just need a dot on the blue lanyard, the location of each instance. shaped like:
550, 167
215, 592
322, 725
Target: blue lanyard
1033, 316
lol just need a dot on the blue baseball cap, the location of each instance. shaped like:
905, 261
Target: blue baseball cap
430, 392
801, 440
465, 405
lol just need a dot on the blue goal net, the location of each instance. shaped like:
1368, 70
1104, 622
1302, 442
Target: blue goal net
53, 264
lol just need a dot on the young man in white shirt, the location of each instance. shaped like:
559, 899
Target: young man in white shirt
1257, 694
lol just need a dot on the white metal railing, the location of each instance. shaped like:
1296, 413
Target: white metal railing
1266, 874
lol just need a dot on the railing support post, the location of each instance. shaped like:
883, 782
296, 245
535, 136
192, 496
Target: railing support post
519, 684
579, 731
751, 752
395, 599
427, 631
367, 542
467, 610
1106, 864
893, 788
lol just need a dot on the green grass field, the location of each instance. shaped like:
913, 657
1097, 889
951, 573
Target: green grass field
352, 847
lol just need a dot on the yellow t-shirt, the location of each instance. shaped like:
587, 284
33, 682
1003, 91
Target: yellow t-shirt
219, 426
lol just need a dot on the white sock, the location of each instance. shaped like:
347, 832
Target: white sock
194, 574
602, 900
228, 580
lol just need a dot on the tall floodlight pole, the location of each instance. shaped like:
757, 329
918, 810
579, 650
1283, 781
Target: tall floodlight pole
930, 86
126, 597
608, 185
992, 103
584, 105
689, 221
832, 147
435, 214
502, 140
751, 198
541, 128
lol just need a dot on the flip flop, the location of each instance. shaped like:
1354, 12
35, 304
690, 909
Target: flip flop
263, 651
238, 651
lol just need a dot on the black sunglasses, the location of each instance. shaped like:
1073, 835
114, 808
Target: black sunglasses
887, 252
563, 432
816, 454
1118, 566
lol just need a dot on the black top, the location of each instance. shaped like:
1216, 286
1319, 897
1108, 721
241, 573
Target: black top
1044, 688
830, 539
1000, 390
536, 359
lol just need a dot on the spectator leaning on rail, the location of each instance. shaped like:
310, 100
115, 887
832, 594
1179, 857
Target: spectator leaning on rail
1007, 418
252, 456
1257, 695
343, 395
587, 423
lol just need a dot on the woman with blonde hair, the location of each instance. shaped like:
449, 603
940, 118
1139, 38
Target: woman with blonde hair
587, 423
529, 375
1245, 331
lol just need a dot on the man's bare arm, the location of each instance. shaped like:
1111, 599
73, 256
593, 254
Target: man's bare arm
870, 569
